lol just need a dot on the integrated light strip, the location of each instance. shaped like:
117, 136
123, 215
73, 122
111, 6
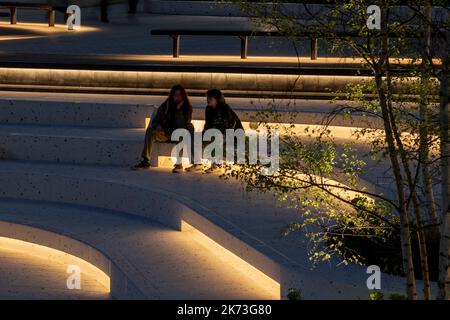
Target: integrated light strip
227, 257
56, 256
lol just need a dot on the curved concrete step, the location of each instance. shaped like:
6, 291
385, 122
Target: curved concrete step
71, 145
74, 113
122, 146
144, 260
250, 232
30, 271
131, 111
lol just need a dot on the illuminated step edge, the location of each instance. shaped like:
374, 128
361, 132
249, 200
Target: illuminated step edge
49, 254
155, 205
228, 257
55, 247
122, 147
110, 146
148, 80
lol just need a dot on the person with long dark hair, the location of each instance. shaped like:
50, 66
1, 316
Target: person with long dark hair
218, 115
174, 113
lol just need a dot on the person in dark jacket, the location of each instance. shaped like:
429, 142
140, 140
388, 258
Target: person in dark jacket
218, 115
174, 113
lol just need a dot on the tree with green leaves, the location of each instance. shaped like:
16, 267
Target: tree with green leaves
322, 177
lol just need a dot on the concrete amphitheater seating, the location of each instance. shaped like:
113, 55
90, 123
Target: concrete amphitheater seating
76, 155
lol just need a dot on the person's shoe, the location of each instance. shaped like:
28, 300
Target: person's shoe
143, 165
213, 169
177, 169
195, 168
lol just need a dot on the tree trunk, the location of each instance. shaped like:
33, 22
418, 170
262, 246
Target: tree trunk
405, 236
423, 252
425, 117
444, 248
382, 68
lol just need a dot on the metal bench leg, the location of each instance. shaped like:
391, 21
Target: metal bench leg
13, 13
313, 49
176, 46
51, 18
244, 46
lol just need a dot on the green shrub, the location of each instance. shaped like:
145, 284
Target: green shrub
376, 295
294, 294
397, 296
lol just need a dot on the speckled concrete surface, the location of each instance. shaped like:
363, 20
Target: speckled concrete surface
128, 111
250, 226
72, 145
24, 276
73, 113
253, 218
163, 263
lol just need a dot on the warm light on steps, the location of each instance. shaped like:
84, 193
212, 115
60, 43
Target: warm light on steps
224, 256
40, 252
338, 132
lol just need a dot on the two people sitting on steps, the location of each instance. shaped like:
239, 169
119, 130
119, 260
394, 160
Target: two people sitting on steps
176, 113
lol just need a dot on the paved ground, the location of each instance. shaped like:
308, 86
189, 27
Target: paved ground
131, 35
27, 276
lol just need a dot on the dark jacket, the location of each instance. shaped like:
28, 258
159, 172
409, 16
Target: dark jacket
165, 117
221, 117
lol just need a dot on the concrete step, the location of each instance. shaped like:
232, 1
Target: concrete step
237, 84
78, 145
133, 111
71, 145
74, 113
171, 198
144, 259
105, 146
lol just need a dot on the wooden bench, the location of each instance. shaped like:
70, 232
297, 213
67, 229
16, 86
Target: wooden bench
39, 6
243, 35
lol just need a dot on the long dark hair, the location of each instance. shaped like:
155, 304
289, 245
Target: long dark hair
216, 94
186, 107
171, 102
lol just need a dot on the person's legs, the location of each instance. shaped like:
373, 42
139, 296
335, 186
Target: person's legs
216, 167
178, 167
150, 137
193, 158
